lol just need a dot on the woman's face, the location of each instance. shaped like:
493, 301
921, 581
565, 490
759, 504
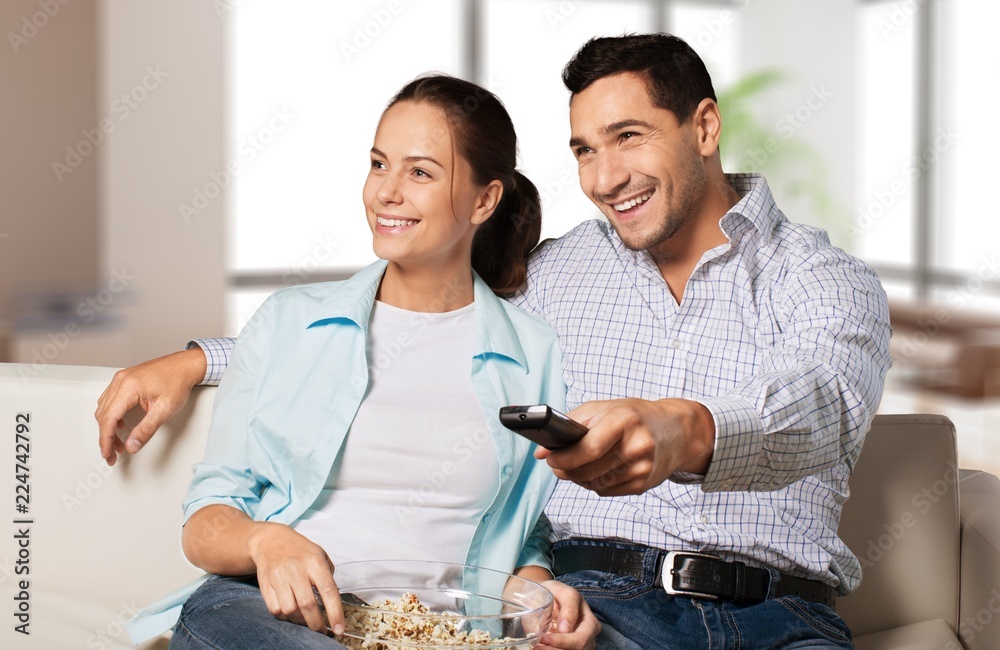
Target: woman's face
420, 198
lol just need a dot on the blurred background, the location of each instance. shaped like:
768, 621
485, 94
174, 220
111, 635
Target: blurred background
168, 164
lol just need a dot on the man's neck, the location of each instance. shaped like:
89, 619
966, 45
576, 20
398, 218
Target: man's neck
678, 257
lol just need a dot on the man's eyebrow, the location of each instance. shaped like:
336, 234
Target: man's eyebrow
614, 127
381, 154
609, 129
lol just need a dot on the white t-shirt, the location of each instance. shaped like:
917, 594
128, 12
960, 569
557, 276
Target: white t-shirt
405, 485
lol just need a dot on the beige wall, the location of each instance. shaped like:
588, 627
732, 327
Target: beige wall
48, 227
145, 79
163, 150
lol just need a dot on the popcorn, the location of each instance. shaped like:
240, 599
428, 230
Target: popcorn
414, 631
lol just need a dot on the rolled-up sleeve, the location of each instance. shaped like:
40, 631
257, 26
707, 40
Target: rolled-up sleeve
813, 399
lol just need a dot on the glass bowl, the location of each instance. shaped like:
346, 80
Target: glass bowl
458, 606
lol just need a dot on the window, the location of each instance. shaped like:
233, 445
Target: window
310, 78
925, 143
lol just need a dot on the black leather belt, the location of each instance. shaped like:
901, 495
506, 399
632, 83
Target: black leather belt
692, 574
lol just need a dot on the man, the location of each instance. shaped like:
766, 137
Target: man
727, 362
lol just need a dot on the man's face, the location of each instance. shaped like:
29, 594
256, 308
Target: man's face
636, 162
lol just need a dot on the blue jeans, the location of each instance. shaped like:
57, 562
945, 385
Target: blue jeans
637, 615
229, 612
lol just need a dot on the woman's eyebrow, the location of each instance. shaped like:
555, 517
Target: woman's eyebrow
379, 153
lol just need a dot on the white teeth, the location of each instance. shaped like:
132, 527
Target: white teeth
392, 223
631, 203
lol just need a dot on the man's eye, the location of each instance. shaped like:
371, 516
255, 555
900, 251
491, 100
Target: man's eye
580, 151
378, 164
628, 134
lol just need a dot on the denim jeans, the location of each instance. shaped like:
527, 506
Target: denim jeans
637, 615
229, 612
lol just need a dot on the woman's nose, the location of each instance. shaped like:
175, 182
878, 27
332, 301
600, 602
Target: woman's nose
388, 191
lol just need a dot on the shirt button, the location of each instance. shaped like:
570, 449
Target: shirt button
486, 519
507, 470
703, 518
677, 343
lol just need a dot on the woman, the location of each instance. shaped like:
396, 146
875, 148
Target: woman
347, 422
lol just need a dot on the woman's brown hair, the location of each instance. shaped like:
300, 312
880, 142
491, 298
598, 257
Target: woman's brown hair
484, 136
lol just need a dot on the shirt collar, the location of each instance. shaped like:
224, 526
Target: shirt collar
354, 299
755, 209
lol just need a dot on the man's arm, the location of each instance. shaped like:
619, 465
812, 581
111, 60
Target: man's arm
161, 387
806, 409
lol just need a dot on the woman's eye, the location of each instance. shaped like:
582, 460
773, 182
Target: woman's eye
421, 173
378, 164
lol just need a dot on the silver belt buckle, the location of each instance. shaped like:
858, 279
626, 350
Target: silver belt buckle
667, 575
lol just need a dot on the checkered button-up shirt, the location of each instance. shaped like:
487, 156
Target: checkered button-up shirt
784, 338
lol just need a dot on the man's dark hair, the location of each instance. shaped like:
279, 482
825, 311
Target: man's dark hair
675, 75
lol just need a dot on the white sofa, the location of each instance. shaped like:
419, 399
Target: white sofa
105, 542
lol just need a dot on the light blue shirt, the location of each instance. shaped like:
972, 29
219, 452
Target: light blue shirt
298, 375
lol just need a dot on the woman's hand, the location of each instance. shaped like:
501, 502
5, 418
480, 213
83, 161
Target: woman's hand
574, 626
289, 566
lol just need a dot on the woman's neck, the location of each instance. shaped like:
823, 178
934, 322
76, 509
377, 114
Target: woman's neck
433, 291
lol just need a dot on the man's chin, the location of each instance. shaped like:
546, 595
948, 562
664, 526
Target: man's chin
634, 239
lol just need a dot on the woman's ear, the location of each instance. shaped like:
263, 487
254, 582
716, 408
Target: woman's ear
487, 202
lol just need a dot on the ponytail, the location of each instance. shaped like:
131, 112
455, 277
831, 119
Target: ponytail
502, 243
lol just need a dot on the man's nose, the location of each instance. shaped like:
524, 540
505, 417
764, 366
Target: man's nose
612, 173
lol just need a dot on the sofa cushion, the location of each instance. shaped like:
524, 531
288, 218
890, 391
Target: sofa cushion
928, 635
104, 542
902, 521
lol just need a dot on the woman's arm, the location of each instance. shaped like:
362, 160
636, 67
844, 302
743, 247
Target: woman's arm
225, 541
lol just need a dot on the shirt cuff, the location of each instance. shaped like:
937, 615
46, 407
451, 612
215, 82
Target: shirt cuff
739, 440
217, 354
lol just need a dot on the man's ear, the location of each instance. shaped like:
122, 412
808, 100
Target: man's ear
487, 201
708, 127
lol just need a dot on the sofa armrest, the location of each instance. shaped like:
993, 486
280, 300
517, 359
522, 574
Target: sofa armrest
979, 608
